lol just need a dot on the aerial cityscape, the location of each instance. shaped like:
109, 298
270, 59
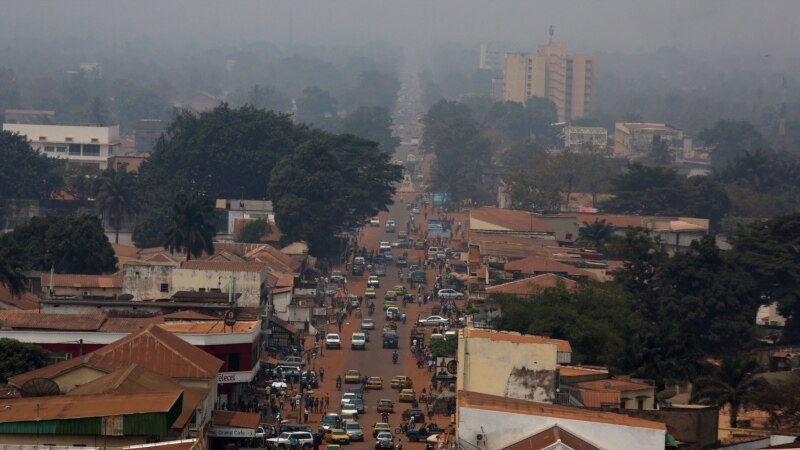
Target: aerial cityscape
350, 225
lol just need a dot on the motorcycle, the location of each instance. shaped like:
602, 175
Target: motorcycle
394, 357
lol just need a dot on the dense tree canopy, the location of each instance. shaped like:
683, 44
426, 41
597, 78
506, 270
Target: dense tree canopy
253, 231
191, 230
374, 124
24, 173
18, 357
318, 108
730, 139
67, 244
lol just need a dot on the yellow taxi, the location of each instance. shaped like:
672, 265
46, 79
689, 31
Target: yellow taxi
408, 395
390, 295
388, 304
401, 381
385, 405
375, 383
337, 436
370, 292
380, 427
352, 376
400, 290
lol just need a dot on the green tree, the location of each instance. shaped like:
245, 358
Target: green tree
644, 191
25, 174
597, 232
253, 231
152, 231
534, 190
9, 89
269, 98
731, 384
660, 154
318, 107
307, 191
374, 124
10, 276
191, 230
117, 197
374, 88
18, 357
75, 245
730, 139
525, 154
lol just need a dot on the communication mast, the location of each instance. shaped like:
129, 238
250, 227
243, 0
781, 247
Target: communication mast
552, 32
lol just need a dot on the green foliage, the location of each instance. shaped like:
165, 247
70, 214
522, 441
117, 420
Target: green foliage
597, 232
770, 251
374, 89
729, 139
24, 173
318, 107
374, 124
152, 231
253, 231
444, 347
304, 184
117, 196
10, 275
781, 399
534, 190
223, 153
17, 357
75, 245
9, 89
595, 318
191, 229
732, 384
269, 98
524, 154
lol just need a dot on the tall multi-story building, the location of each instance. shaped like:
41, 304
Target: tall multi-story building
566, 80
87, 146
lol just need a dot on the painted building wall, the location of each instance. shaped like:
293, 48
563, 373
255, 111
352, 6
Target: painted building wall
248, 284
74, 378
524, 371
502, 429
145, 281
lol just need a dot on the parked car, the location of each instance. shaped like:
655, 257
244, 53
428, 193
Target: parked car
283, 441
292, 361
290, 427
390, 226
417, 434
288, 373
449, 294
337, 276
332, 340
432, 321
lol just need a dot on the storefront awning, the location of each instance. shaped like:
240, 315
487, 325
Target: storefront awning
234, 424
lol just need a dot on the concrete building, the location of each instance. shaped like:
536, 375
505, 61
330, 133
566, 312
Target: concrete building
147, 133
566, 80
494, 422
636, 140
250, 279
574, 137
86, 146
510, 364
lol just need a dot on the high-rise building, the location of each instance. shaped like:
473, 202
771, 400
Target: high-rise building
552, 73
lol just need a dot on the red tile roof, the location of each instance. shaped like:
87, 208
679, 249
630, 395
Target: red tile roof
539, 264
152, 347
223, 266
496, 403
561, 344
33, 320
25, 301
528, 286
549, 438
236, 419
615, 220
62, 407
508, 219
188, 315
82, 281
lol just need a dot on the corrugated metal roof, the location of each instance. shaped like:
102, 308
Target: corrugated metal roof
82, 281
509, 219
551, 437
561, 344
236, 419
223, 266
85, 406
153, 347
532, 285
33, 320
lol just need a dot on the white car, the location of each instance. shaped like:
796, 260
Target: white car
374, 281
375, 222
358, 341
304, 439
432, 321
385, 246
367, 324
332, 340
450, 294
347, 398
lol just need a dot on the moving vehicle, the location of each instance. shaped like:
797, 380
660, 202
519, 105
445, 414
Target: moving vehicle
384, 441
330, 420
358, 404
385, 246
392, 313
390, 295
390, 226
381, 427
432, 321
385, 405
332, 340
304, 439
354, 431
347, 397
419, 416
408, 395
400, 289
401, 382
379, 270
358, 341
352, 376
432, 251
337, 276
370, 292
450, 294
292, 361
418, 276
374, 282
367, 324
389, 304
375, 222
417, 434
402, 261
390, 340
337, 436
375, 383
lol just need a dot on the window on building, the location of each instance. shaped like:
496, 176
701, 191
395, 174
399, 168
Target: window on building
69, 139
640, 403
49, 148
95, 140
91, 150
568, 236
622, 404
42, 138
164, 287
75, 149
233, 362
61, 149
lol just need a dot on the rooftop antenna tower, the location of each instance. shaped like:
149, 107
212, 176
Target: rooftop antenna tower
552, 32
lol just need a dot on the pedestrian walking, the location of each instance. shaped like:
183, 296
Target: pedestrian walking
321, 374
327, 401
305, 415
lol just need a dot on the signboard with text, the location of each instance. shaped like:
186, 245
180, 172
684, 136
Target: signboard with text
446, 368
237, 377
232, 432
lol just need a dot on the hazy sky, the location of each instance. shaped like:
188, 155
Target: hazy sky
590, 25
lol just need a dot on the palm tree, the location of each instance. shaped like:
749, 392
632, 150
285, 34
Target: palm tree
597, 232
731, 383
11, 277
191, 229
117, 197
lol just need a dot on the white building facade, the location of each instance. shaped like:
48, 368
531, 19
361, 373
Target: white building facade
87, 146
